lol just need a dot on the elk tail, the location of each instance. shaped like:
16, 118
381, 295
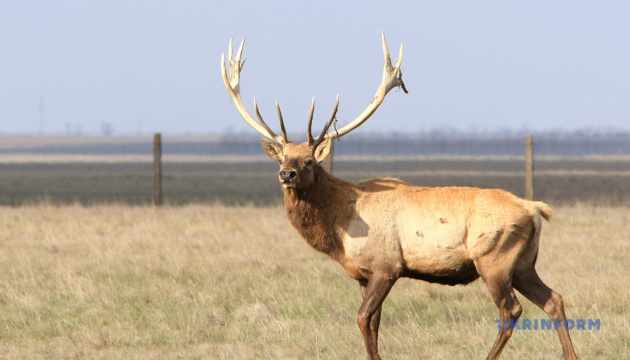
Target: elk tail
545, 210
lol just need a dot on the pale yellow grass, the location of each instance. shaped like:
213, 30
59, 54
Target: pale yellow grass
214, 282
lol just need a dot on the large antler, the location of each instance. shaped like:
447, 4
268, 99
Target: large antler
392, 77
233, 87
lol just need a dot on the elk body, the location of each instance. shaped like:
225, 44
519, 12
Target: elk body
380, 230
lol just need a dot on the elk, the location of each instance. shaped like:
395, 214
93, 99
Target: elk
380, 230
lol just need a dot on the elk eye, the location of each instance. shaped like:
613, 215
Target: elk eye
308, 162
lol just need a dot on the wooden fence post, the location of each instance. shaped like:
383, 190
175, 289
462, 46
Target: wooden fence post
157, 169
529, 167
328, 162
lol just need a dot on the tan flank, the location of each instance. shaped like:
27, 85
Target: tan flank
380, 230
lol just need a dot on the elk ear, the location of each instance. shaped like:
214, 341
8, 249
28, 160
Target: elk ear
322, 150
272, 149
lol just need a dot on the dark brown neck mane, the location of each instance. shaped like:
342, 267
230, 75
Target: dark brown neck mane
317, 212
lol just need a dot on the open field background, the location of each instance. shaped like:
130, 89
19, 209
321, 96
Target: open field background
216, 282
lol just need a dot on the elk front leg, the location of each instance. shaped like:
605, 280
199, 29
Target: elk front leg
374, 292
499, 282
375, 321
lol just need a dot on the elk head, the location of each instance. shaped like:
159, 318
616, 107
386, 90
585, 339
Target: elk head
299, 163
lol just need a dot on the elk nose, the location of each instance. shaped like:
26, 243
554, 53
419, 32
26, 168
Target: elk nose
287, 175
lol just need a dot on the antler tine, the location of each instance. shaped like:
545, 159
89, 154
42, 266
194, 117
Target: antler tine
239, 53
323, 135
284, 132
399, 62
262, 122
392, 77
388, 59
230, 49
232, 84
309, 134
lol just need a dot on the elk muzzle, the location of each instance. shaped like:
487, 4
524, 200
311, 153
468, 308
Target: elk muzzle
288, 178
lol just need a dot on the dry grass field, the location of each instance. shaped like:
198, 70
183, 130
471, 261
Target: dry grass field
214, 282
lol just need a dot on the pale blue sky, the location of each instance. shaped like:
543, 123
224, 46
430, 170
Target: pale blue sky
154, 66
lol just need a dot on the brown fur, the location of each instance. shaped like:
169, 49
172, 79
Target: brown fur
382, 229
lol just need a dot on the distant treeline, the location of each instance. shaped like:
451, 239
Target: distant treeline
358, 144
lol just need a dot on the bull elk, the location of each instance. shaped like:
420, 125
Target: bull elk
380, 230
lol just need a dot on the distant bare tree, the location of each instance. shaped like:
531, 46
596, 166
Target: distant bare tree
107, 129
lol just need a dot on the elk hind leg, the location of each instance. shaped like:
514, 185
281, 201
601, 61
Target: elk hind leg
528, 283
499, 283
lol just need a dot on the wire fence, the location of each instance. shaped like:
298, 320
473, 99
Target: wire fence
568, 168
